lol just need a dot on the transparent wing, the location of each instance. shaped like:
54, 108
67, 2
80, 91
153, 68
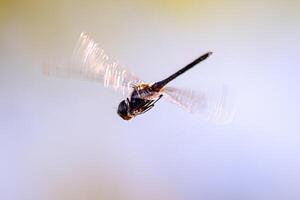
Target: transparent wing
90, 62
214, 104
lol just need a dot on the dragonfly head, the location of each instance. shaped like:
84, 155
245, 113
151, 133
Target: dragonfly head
123, 110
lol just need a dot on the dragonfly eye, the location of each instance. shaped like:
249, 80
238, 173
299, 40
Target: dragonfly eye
123, 110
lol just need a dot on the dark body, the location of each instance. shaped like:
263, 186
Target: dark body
144, 96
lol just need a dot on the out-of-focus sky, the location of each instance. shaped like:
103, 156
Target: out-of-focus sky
62, 139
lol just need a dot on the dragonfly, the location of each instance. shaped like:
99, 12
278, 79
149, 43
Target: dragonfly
90, 62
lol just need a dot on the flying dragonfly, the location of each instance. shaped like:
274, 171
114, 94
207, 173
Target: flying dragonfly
90, 62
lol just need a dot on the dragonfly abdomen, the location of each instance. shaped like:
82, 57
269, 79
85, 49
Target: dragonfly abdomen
159, 85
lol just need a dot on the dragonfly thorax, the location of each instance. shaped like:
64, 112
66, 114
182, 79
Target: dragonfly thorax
141, 100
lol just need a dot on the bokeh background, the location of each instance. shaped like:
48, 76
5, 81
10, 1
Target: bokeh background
62, 139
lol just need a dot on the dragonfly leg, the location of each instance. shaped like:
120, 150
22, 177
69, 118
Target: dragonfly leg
153, 101
148, 108
150, 105
160, 96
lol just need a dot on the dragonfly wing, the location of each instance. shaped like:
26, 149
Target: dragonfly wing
213, 104
90, 62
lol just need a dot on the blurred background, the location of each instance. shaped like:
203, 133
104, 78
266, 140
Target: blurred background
62, 139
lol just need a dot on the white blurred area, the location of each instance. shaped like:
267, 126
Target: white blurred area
62, 139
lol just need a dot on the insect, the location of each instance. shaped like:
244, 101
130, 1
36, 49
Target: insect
90, 62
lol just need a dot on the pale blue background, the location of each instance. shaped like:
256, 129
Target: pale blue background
62, 139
